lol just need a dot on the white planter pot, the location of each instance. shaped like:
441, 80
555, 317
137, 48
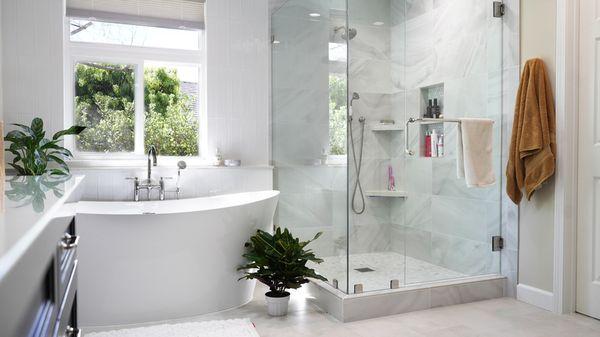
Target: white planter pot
277, 306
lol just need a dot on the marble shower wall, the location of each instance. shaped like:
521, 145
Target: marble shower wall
370, 75
456, 43
313, 194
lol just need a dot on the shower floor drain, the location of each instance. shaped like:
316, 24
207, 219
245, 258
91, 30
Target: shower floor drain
364, 270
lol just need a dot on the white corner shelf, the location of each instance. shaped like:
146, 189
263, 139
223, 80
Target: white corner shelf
386, 127
387, 194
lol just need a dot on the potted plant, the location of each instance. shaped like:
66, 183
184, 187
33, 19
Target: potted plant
279, 261
33, 152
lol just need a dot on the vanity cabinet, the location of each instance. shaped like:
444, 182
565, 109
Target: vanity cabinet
38, 296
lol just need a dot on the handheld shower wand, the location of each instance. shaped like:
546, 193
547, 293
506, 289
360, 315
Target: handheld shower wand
181, 165
360, 209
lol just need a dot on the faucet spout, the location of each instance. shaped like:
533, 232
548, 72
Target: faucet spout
152, 161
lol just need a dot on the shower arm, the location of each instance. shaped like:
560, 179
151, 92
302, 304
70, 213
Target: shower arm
422, 120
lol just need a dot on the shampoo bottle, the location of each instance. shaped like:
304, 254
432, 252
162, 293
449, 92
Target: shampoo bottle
434, 141
440, 146
427, 144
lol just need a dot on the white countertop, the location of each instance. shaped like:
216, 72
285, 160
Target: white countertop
28, 204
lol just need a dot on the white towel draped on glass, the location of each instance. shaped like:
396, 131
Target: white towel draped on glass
474, 158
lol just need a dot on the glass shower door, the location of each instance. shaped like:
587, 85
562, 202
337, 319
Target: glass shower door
309, 110
408, 59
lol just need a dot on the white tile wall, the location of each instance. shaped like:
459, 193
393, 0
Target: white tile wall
238, 79
112, 185
32, 60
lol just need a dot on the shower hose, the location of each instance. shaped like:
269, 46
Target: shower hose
357, 167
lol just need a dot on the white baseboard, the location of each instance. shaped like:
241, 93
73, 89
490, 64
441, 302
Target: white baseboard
535, 296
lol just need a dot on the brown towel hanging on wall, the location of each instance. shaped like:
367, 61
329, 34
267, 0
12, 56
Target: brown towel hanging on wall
531, 160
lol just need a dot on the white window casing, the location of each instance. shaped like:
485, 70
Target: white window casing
132, 55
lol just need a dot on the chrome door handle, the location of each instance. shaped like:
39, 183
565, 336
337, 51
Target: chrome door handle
73, 332
69, 241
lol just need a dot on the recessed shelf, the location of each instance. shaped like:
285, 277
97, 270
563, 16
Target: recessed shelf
387, 194
387, 127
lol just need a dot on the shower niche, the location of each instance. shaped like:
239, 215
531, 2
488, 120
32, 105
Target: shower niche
431, 132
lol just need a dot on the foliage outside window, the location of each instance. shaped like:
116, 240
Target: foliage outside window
105, 104
337, 114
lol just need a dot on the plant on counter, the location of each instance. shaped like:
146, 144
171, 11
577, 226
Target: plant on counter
279, 261
33, 151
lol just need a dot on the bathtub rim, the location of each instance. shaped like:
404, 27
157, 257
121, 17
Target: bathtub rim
154, 207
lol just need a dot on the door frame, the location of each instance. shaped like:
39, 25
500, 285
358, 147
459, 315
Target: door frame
567, 119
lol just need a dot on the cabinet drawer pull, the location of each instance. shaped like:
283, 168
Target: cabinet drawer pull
69, 241
73, 332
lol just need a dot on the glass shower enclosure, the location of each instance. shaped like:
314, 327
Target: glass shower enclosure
347, 77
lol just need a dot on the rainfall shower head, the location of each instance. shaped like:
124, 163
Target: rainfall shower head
347, 34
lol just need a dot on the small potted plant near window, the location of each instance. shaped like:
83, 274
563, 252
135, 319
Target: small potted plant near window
33, 152
279, 261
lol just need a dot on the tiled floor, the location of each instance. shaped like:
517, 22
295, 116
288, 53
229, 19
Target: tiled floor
494, 318
386, 266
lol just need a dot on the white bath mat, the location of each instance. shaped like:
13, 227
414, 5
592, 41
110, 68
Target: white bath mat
225, 328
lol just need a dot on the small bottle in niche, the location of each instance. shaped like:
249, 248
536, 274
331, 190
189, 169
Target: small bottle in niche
440, 146
436, 110
434, 140
427, 144
429, 110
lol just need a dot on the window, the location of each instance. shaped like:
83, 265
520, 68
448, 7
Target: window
135, 86
105, 104
337, 99
132, 35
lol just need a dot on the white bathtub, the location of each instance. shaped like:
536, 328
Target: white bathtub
157, 260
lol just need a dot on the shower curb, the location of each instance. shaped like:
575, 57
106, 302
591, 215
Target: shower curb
355, 307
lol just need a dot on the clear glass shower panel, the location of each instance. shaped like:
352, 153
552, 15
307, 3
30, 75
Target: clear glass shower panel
309, 110
410, 59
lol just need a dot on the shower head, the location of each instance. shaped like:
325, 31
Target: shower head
347, 34
355, 96
181, 165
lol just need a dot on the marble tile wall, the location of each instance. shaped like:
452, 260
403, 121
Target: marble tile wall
370, 75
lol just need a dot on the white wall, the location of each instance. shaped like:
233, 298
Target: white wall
32, 35
536, 233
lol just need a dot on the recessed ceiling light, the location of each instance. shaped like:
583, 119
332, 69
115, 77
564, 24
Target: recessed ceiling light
314, 15
378, 23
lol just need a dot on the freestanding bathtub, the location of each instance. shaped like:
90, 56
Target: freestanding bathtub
157, 260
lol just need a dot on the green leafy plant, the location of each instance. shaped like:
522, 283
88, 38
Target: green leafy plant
33, 152
279, 261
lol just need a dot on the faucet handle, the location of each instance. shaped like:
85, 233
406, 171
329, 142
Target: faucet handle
166, 178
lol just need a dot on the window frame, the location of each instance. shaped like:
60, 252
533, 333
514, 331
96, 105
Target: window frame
76, 52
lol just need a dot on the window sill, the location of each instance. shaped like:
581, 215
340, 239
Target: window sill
196, 163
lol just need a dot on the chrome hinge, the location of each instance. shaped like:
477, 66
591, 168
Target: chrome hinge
497, 243
498, 9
